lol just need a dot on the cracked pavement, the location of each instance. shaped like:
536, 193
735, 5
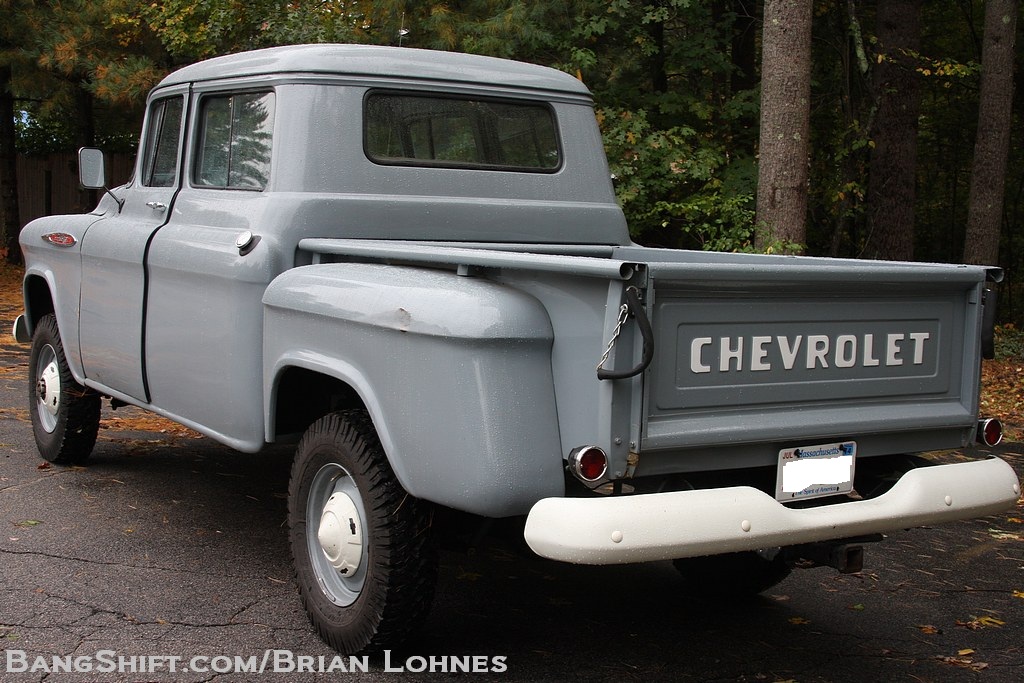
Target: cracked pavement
170, 545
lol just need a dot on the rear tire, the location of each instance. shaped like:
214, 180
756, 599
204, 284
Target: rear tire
65, 415
737, 575
365, 561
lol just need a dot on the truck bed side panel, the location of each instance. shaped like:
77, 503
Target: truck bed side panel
455, 372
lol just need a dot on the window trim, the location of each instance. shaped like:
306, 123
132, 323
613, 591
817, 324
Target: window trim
458, 165
153, 135
200, 130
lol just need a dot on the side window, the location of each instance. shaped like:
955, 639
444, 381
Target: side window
455, 132
160, 162
235, 135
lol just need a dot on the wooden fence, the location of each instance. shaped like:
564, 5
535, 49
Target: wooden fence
48, 185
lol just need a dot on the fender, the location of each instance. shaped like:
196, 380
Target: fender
58, 263
455, 371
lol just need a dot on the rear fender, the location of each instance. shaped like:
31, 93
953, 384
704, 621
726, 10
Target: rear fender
455, 372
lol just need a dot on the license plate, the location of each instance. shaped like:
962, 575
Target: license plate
815, 471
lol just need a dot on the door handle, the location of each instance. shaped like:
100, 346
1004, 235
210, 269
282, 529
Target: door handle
156, 206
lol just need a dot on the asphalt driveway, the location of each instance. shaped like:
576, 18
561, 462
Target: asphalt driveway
171, 546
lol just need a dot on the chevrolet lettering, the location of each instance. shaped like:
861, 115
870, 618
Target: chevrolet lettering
412, 265
761, 353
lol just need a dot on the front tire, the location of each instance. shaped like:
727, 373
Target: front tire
65, 415
365, 561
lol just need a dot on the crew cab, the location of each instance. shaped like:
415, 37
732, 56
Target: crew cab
412, 264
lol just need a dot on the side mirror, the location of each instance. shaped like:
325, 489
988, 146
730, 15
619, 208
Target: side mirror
92, 169
92, 172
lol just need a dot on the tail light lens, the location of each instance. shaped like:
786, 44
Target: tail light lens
990, 431
588, 463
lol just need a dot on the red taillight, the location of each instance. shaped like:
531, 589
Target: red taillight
990, 431
588, 463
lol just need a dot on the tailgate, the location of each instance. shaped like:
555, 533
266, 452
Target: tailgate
794, 350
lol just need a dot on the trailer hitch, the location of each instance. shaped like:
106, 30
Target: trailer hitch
844, 555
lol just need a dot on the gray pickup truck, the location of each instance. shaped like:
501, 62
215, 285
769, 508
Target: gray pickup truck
412, 263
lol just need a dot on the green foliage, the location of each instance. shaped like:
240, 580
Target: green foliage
117, 131
675, 187
672, 82
679, 138
197, 29
1009, 342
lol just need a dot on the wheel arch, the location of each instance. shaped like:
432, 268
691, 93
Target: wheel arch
302, 390
304, 387
38, 295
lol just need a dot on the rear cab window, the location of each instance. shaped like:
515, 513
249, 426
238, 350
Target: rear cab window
414, 129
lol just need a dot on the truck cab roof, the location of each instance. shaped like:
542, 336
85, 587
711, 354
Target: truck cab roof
381, 62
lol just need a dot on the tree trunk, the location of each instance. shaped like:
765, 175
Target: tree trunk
992, 145
85, 136
9, 218
893, 171
785, 123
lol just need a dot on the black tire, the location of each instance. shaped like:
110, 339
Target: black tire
387, 595
735, 575
65, 415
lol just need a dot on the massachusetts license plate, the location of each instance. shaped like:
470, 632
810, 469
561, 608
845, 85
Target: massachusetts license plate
815, 471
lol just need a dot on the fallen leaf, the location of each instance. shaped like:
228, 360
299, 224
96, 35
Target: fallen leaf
799, 621
857, 608
1018, 594
28, 523
964, 663
43, 466
977, 623
1001, 535
965, 652
929, 629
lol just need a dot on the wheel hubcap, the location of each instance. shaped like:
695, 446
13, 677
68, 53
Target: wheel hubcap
335, 538
48, 388
341, 534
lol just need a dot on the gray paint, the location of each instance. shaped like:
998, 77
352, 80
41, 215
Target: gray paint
455, 372
468, 309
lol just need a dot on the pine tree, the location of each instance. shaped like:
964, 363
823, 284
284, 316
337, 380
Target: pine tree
785, 123
992, 145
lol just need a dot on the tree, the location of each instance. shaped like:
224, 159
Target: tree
995, 116
11, 223
891, 185
785, 123
197, 29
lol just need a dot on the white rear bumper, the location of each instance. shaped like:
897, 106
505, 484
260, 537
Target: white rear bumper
658, 526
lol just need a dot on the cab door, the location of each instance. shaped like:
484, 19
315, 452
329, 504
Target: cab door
114, 278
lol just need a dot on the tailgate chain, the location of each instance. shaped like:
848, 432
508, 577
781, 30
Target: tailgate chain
623, 316
633, 307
